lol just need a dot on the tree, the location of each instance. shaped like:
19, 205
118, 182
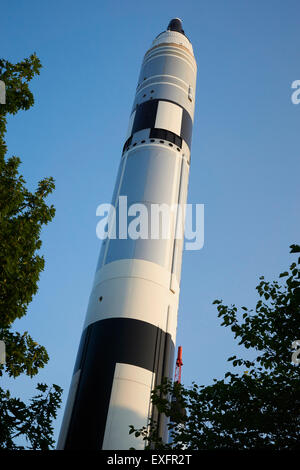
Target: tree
22, 216
33, 421
256, 409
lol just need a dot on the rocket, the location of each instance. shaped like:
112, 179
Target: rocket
128, 339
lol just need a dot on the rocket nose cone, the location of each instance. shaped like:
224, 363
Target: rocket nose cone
175, 25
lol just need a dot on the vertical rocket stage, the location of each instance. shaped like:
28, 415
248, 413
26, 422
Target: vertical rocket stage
128, 338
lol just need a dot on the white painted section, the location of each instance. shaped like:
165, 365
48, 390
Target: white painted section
174, 286
2, 352
2, 92
168, 117
132, 297
172, 321
186, 152
129, 404
172, 63
178, 244
161, 80
147, 174
133, 268
169, 70
173, 37
68, 410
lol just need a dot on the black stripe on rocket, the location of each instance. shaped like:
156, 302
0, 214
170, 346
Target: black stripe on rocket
103, 344
146, 116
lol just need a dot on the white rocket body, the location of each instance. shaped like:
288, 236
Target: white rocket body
129, 334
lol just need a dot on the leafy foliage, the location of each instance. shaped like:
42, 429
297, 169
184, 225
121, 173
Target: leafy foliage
22, 216
34, 422
258, 409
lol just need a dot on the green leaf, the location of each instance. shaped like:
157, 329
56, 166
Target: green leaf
231, 358
284, 274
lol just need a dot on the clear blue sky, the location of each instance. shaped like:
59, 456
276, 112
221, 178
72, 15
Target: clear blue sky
245, 156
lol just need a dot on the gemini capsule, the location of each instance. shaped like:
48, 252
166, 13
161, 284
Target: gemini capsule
128, 338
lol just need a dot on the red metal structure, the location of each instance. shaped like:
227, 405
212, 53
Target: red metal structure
179, 364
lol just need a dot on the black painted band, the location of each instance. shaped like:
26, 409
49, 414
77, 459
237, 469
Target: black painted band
156, 133
164, 134
145, 117
103, 344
